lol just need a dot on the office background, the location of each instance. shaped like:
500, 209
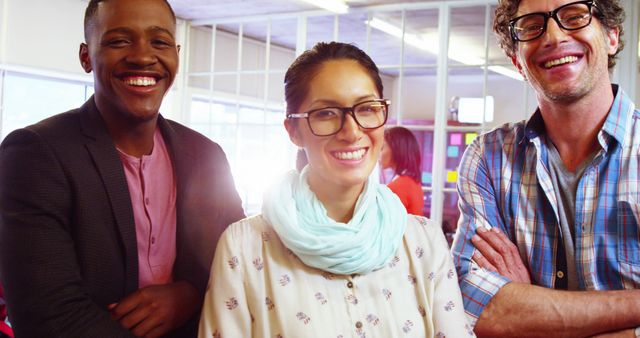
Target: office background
235, 53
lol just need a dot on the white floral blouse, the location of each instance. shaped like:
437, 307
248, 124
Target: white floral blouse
259, 288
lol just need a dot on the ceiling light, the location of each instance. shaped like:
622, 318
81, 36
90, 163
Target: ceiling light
336, 6
430, 44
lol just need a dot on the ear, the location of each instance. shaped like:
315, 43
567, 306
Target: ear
516, 63
85, 60
293, 131
613, 37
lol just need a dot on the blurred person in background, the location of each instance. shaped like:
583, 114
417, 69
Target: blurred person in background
5, 329
401, 153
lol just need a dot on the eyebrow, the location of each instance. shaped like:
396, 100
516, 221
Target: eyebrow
333, 103
152, 29
157, 29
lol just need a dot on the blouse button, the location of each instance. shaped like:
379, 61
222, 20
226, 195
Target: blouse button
358, 325
560, 274
349, 285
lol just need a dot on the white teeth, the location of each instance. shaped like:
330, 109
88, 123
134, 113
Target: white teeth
350, 155
140, 81
562, 60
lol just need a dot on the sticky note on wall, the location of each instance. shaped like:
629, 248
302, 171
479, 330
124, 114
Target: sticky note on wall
452, 176
426, 178
453, 151
469, 137
455, 139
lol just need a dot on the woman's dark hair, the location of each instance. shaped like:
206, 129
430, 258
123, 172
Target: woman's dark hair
301, 159
405, 152
609, 13
305, 67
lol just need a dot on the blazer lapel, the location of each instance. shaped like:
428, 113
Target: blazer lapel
107, 162
184, 167
181, 157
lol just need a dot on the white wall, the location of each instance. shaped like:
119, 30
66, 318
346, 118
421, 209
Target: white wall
633, 40
3, 28
43, 34
43, 37
626, 71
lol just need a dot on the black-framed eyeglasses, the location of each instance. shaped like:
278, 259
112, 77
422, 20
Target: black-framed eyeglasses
327, 121
572, 16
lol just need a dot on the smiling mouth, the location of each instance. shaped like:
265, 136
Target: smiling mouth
140, 81
350, 155
560, 61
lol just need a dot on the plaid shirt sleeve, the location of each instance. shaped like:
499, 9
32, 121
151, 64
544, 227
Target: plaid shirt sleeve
478, 206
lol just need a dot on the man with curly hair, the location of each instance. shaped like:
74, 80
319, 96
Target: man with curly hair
548, 242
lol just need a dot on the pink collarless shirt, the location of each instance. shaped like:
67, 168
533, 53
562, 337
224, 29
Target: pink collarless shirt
152, 188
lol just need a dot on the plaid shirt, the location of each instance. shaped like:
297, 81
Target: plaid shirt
504, 182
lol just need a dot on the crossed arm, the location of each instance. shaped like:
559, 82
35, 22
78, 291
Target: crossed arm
495, 282
520, 309
46, 294
155, 310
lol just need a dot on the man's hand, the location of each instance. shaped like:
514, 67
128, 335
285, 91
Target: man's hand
495, 252
153, 311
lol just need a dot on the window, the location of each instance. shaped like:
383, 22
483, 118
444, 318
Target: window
27, 99
254, 140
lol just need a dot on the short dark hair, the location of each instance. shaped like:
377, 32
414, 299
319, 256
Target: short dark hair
405, 152
609, 12
305, 67
92, 8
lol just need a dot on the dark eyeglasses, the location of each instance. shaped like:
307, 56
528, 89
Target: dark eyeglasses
572, 16
330, 120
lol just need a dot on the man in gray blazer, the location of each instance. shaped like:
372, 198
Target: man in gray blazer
110, 214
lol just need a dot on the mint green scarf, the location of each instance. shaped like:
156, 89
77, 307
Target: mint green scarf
366, 243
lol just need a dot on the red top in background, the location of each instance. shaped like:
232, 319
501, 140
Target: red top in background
410, 193
4, 328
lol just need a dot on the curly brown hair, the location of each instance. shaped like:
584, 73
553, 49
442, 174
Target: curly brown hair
609, 12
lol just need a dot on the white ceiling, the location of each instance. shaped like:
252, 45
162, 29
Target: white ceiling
217, 9
466, 29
